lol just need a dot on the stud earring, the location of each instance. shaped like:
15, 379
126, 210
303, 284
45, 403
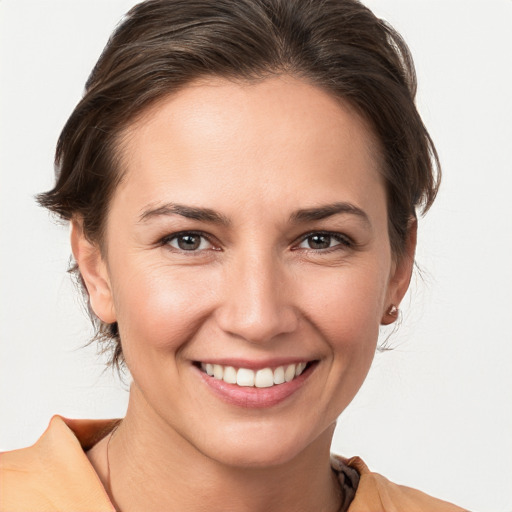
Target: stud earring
390, 316
392, 311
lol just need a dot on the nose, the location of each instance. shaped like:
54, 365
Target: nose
257, 305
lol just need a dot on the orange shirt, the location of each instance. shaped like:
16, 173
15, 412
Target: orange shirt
55, 475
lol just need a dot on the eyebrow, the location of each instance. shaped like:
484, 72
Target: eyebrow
209, 215
325, 211
190, 212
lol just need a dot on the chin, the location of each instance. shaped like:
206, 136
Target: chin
263, 445
254, 455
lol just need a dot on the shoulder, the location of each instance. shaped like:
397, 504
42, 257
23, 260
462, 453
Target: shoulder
19, 470
54, 473
376, 493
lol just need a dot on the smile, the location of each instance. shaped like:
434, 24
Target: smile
262, 378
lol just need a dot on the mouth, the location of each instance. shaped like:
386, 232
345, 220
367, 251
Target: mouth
257, 387
260, 378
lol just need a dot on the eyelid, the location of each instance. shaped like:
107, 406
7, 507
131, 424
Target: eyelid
344, 240
164, 241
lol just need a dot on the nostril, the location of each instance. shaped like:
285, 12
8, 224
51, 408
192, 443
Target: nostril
256, 305
257, 325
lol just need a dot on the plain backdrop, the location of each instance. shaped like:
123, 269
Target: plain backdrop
436, 412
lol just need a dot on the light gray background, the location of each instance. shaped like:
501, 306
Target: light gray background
435, 413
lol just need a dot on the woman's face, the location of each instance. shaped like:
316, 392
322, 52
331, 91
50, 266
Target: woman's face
249, 232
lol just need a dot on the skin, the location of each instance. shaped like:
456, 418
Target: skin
255, 289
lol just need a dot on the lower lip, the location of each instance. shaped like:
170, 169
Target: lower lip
252, 397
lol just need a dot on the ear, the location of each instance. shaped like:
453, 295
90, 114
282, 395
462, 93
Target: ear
400, 277
94, 273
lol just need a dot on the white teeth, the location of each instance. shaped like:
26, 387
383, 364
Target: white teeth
245, 377
289, 373
299, 369
218, 371
263, 378
279, 375
229, 375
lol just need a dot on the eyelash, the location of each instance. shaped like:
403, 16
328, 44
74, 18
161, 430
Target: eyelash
166, 240
344, 241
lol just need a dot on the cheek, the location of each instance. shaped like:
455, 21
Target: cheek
345, 304
160, 307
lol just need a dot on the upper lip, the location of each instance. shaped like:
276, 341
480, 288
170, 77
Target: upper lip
256, 364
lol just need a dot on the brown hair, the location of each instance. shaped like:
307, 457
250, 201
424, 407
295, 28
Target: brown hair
163, 45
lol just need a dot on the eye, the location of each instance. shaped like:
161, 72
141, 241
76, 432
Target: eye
187, 241
322, 241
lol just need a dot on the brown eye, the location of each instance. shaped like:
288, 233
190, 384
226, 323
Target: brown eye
322, 241
188, 242
319, 241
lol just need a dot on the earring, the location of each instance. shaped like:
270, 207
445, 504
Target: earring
390, 316
392, 311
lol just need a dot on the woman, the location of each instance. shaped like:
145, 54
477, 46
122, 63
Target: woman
242, 180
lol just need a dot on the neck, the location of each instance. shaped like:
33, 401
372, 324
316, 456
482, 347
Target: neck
154, 468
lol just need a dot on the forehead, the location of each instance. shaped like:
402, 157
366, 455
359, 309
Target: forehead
279, 138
